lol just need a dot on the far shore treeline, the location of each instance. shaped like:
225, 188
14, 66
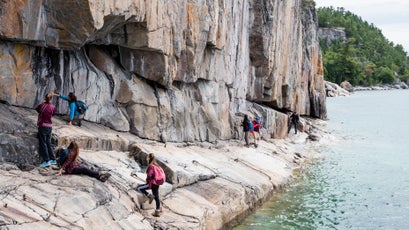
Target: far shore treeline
366, 57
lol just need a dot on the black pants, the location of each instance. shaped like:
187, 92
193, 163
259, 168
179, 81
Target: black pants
85, 171
155, 191
295, 127
45, 147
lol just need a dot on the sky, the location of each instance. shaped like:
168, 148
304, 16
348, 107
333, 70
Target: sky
390, 16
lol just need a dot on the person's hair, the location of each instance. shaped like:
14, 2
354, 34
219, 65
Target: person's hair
246, 117
72, 97
152, 160
74, 148
48, 97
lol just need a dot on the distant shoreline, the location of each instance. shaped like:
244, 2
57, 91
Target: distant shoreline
346, 89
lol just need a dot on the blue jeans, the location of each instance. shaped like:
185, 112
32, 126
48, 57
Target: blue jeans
45, 147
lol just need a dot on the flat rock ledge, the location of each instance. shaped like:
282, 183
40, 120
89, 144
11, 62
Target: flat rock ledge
209, 185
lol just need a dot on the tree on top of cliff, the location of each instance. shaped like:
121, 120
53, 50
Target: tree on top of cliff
366, 57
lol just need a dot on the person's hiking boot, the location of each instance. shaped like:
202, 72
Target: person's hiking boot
156, 213
45, 164
79, 123
151, 197
104, 177
52, 162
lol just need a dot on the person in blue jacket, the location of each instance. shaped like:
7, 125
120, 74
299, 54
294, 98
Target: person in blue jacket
72, 102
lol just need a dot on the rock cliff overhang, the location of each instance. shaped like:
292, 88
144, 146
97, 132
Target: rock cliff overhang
179, 71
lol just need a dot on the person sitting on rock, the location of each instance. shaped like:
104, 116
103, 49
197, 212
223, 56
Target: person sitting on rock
71, 165
72, 102
154, 178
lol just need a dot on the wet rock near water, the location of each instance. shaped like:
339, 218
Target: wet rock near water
334, 90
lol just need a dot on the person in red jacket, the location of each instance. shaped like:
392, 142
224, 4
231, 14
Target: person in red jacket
45, 112
257, 127
71, 165
154, 178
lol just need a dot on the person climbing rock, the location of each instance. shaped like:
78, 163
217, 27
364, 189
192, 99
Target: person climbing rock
155, 177
74, 115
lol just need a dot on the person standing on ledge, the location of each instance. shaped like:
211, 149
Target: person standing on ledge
246, 123
257, 127
294, 118
45, 112
72, 102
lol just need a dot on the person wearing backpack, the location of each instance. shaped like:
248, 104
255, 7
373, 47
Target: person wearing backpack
72, 166
155, 177
256, 133
247, 127
75, 113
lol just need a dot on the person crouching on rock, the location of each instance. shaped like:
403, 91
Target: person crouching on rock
72, 103
155, 177
71, 165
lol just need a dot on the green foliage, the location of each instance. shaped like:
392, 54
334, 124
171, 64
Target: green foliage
384, 75
366, 58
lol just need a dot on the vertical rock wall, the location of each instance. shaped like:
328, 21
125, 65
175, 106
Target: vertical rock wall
166, 70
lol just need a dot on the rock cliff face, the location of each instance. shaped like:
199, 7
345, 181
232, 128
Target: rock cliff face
331, 34
166, 70
170, 71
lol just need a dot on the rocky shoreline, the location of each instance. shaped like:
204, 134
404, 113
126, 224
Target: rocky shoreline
209, 185
345, 89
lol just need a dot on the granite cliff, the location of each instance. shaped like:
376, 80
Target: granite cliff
167, 71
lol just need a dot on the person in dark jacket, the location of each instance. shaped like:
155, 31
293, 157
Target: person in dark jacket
72, 166
246, 129
74, 114
294, 118
45, 112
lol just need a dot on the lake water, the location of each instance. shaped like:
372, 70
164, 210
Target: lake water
362, 182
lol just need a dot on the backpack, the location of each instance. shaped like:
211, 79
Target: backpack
159, 175
81, 106
250, 124
256, 125
62, 155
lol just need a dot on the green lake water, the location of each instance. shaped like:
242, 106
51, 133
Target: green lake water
361, 182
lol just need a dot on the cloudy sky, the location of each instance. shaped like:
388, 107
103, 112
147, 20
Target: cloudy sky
391, 16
